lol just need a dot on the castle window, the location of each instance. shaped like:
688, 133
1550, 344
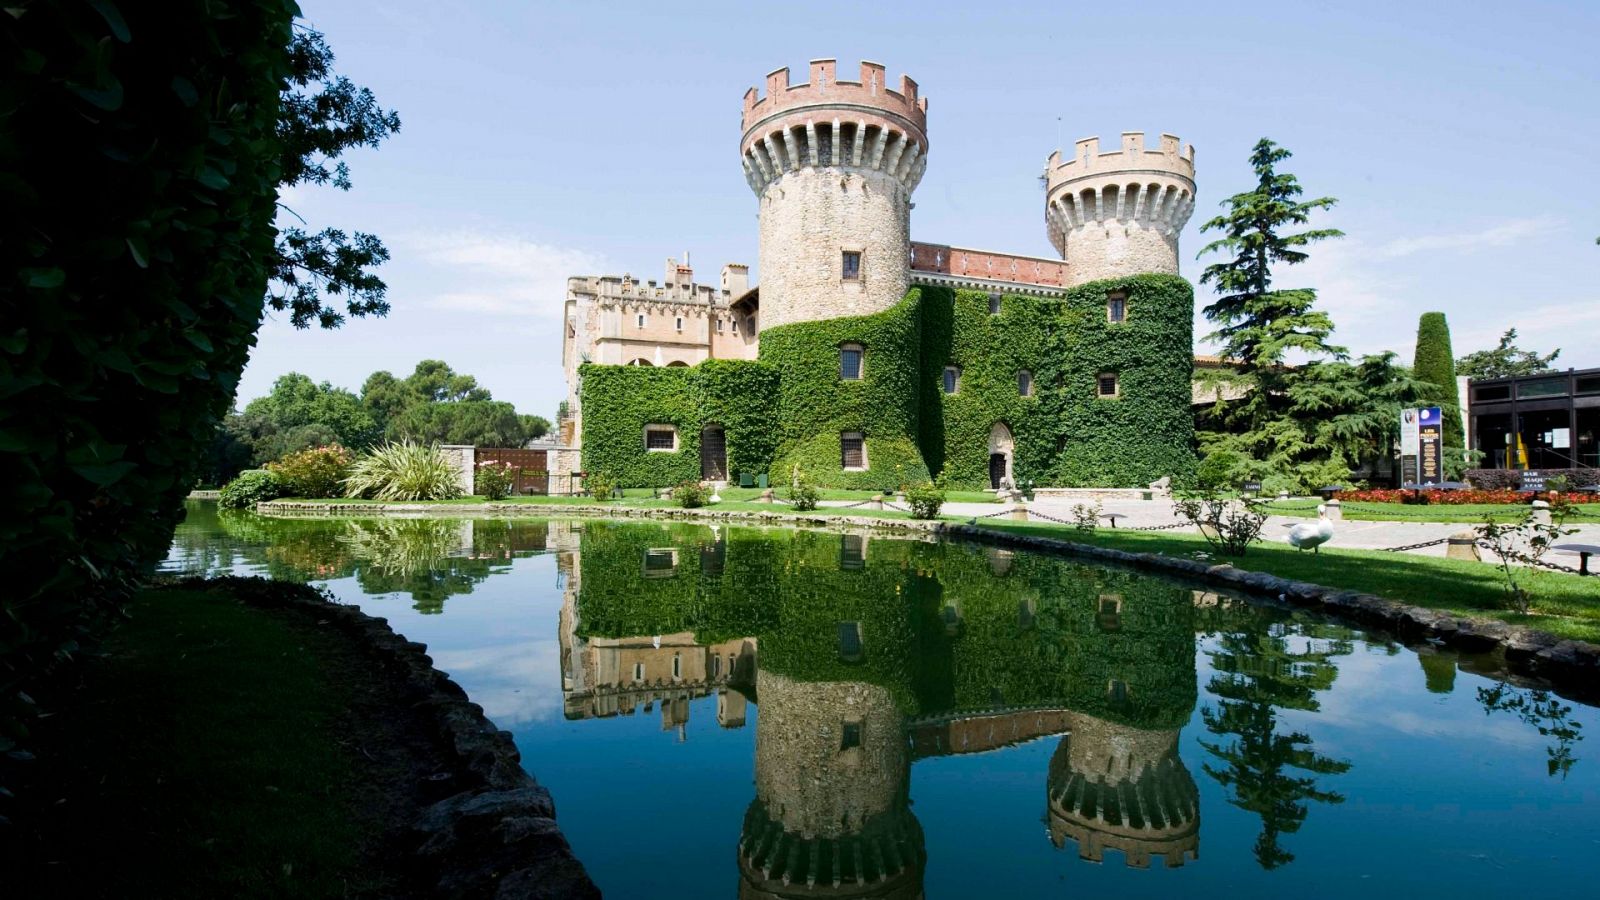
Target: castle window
852, 551
852, 451
1025, 383
680, 323
719, 326
851, 646
716, 666
1117, 308
677, 666
638, 671
641, 361
661, 438
641, 320
952, 379
1108, 385
850, 358
735, 326
851, 736
994, 304
660, 562
851, 265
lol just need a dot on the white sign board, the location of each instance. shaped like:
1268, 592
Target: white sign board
1409, 439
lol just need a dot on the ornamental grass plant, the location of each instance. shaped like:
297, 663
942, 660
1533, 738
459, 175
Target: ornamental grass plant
403, 471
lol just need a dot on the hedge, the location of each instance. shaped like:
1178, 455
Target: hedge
1511, 479
139, 164
619, 401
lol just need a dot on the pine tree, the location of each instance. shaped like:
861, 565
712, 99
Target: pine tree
1435, 364
1257, 325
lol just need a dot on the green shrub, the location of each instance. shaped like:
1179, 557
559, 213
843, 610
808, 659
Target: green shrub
690, 495
317, 472
802, 494
494, 480
141, 154
1435, 364
600, 485
1221, 470
925, 499
403, 471
251, 487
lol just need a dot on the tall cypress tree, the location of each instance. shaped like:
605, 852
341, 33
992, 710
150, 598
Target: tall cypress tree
1435, 364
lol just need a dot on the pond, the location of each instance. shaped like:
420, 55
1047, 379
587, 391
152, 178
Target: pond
745, 712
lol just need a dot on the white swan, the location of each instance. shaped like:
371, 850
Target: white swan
1311, 536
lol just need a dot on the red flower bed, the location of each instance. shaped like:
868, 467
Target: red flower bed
1455, 498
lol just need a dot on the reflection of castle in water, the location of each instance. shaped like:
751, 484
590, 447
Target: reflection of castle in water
978, 651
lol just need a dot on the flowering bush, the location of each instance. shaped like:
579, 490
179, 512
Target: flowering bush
495, 480
1455, 498
802, 494
690, 494
313, 472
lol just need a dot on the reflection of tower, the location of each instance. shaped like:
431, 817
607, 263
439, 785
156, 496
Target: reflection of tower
1116, 787
831, 815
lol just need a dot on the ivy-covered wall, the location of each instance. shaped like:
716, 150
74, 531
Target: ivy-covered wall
1063, 433
1147, 432
619, 401
816, 406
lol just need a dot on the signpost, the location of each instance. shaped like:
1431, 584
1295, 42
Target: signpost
1430, 427
1408, 446
1532, 481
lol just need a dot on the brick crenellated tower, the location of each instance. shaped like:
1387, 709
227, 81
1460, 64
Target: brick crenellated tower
1119, 213
833, 163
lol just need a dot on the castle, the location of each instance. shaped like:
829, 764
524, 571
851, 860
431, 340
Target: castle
867, 359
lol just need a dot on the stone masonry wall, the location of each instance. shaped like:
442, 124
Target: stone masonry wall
808, 219
1116, 249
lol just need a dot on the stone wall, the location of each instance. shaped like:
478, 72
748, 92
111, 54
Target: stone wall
808, 219
464, 457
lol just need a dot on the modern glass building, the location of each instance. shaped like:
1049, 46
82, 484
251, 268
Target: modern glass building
1549, 421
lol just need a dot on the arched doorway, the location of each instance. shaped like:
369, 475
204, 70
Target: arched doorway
1000, 450
713, 454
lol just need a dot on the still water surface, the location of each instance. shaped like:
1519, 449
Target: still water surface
726, 712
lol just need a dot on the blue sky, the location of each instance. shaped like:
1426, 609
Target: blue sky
542, 140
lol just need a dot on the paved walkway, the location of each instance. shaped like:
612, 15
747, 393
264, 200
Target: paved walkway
1359, 535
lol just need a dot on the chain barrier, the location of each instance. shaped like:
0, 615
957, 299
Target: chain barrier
1527, 560
1417, 546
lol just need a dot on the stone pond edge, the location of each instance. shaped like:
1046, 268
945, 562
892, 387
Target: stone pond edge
497, 838
1528, 651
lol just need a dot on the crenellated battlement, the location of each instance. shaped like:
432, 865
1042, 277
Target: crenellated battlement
1149, 193
1172, 157
870, 93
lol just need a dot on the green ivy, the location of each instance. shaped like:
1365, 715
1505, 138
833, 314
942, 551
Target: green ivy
816, 405
139, 165
619, 401
1063, 434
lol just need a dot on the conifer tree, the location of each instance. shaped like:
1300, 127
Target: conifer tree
1257, 324
1435, 364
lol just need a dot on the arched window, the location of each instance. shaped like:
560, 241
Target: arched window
952, 379
677, 362
641, 361
1025, 383
851, 360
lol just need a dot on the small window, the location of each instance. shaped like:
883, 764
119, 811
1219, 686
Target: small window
851, 647
852, 551
1025, 383
735, 326
1493, 392
638, 671
641, 320
952, 379
851, 737
851, 265
719, 326
661, 438
1544, 387
850, 362
1117, 308
716, 666
994, 304
680, 323
1107, 385
852, 450
1588, 384
1117, 691
677, 666
660, 562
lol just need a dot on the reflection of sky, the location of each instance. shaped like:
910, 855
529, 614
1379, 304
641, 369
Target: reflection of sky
1441, 799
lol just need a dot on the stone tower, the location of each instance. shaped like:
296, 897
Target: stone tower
833, 163
1119, 213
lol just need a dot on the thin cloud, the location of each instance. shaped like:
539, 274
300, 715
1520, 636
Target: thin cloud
1500, 235
499, 274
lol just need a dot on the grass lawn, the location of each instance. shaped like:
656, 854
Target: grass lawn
1564, 604
211, 753
1472, 513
